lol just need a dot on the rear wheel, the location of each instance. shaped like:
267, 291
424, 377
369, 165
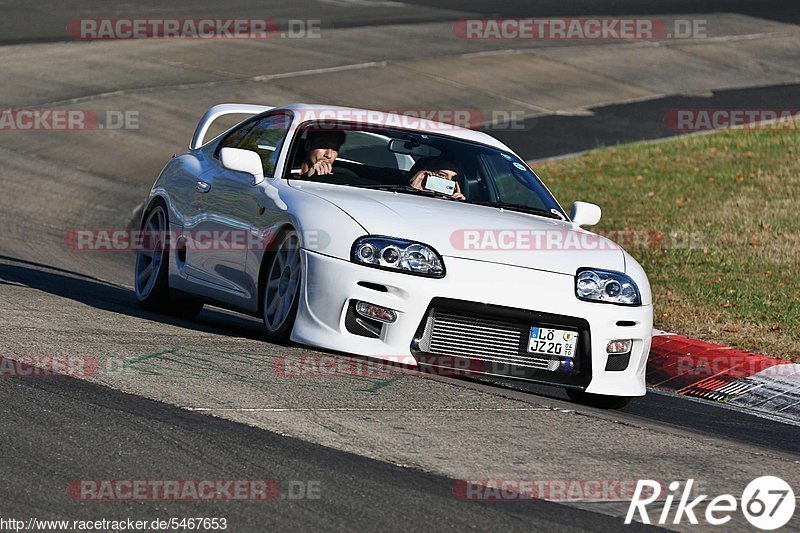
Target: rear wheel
152, 268
282, 288
600, 401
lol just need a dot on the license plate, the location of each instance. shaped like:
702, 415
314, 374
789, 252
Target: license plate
556, 342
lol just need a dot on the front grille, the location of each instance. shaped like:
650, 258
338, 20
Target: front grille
493, 340
480, 339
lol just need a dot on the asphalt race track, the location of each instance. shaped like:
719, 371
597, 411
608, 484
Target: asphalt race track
176, 399
24, 22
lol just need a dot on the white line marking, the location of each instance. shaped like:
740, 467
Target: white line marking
367, 409
363, 3
267, 77
313, 71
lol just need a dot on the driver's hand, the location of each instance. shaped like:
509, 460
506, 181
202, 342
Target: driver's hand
322, 167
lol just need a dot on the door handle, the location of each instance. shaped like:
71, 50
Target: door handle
202, 186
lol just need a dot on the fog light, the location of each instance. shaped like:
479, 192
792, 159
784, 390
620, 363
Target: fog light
375, 312
619, 346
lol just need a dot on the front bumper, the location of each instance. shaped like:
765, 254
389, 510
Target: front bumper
330, 284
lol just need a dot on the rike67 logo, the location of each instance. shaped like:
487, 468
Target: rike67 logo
767, 502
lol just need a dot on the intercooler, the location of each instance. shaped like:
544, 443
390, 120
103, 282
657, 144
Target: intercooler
479, 338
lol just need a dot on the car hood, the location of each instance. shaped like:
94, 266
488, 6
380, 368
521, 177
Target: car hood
457, 229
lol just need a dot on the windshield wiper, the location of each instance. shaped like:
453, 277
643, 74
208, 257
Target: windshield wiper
407, 189
522, 208
385, 187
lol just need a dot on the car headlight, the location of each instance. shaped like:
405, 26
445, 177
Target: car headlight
606, 286
398, 254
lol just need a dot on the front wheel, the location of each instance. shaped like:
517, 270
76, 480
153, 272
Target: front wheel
282, 288
601, 401
152, 268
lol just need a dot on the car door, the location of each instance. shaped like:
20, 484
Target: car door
226, 203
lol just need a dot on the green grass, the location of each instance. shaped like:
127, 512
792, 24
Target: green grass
716, 225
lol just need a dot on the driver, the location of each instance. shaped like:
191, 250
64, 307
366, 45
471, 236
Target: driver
322, 149
438, 167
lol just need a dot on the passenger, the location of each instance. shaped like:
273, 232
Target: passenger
438, 167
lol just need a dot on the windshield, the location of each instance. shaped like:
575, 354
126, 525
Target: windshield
421, 164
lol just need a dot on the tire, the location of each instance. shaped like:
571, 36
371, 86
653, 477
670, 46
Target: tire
150, 280
601, 401
282, 288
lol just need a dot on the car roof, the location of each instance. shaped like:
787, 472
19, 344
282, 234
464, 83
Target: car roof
390, 120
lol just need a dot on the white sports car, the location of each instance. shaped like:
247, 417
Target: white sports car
396, 238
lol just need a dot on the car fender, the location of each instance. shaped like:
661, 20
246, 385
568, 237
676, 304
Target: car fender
322, 227
175, 185
637, 273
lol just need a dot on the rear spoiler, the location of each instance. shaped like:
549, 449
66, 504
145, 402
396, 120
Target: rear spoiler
220, 110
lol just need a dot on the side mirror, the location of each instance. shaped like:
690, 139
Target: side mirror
243, 161
585, 214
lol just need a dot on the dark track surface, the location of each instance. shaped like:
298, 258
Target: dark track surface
554, 135
94, 432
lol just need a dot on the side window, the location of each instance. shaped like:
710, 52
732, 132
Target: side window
234, 137
266, 139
